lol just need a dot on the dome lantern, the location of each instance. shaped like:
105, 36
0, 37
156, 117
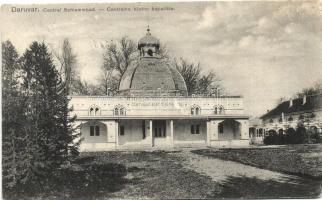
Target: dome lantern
148, 45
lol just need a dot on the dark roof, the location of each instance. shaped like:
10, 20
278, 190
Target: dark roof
313, 102
148, 40
151, 74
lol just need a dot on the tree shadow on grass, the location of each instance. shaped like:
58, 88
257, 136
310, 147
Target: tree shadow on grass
252, 187
87, 181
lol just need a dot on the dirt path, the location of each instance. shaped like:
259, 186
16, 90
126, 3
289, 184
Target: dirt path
240, 180
219, 170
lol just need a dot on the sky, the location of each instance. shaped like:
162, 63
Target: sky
261, 50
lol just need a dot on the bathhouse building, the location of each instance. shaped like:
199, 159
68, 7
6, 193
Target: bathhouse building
153, 110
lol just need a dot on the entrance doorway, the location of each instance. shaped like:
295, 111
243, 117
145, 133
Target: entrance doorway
159, 131
159, 128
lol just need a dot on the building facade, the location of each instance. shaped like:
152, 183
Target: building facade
305, 112
153, 110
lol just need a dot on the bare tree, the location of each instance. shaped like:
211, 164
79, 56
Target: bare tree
82, 87
190, 73
209, 85
203, 85
117, 57
163, 51
314, 90
68, 64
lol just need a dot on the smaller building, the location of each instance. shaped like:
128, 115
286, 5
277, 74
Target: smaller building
305, 112
256, 132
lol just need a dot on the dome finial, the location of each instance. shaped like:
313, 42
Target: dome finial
148, 30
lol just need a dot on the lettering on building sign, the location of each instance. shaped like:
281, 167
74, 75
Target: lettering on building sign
154, 104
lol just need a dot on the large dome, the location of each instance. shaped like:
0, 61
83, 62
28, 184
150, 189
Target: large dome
152, 77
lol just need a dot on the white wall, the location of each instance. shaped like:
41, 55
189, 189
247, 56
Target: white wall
231, 130
182, 130
85, 133
133, 132
161, 106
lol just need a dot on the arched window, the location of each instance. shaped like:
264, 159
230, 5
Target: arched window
192, 111
116, 111
221, 110
97, 111
94, 110
91, 111
195, 110
119, 110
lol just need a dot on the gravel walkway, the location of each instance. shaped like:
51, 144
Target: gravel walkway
219, 170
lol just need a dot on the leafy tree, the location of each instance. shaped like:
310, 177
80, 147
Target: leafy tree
51, 134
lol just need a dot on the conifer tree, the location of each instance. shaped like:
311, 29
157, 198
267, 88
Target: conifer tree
51, 132
14, 137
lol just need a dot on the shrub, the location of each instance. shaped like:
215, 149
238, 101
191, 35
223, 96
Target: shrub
272, 138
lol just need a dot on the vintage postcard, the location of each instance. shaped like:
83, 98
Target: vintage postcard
162, 100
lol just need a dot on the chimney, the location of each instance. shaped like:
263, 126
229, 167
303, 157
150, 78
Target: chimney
291, 102
304, 99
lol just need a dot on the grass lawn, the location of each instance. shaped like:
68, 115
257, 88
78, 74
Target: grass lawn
156, 175
125, 175
304, 160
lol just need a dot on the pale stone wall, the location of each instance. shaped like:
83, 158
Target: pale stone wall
161, 106
85, 133
182, 131
175, 110
228, 138
133, 133
106, 140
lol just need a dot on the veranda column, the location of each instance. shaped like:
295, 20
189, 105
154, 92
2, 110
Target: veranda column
171, 132
151, 133
116, 134
244, 129
208, 132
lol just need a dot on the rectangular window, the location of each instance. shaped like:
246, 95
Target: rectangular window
122, 130
192, 129
92, 130
97, 130
143, 129
221, 128
197, 129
